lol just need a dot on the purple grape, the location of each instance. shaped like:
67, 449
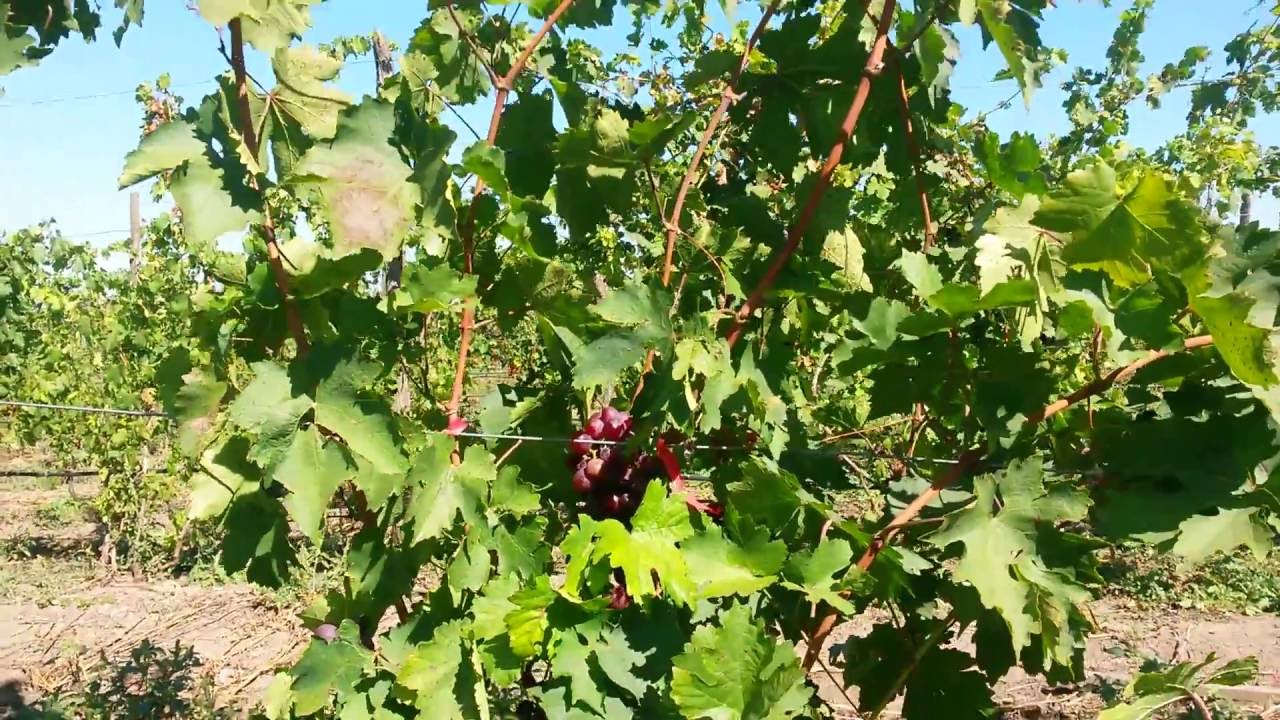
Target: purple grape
611, 504
594, 428
619, 599
581, 445
325, 632
610, 414
594, 467
581, 482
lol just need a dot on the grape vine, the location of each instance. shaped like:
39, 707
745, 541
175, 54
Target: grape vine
729, 279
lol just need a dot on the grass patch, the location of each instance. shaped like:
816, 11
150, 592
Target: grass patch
1236, 582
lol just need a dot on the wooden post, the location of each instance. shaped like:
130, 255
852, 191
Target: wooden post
135, 235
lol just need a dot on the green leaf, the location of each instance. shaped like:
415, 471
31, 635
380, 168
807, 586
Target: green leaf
649, 547
256, 539
302, 93
195, 409
733, 670
270, 408
329, 667
1245, 347
213, 198
224, 473
312, 471
267, 24
488, 163
600, 362
444, 490
636, 305
165, 148
1149, 228
365, 187
363, 423
432, 672
1202, 536
1003, 561
1006, 23
922, 275
819, 574
428, 290
718, 567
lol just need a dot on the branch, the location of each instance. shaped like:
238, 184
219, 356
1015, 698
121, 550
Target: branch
470, 40
247, 131
873, 67
727, 98
503, 85
913, 147
967, 460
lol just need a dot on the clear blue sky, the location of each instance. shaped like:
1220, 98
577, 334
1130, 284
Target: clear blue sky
60, 159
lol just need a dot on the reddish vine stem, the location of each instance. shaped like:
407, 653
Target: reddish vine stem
967, 460
274, 258
503, 87
913, 147
873, 67
727, 97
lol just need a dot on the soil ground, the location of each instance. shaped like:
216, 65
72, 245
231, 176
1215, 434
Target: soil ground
59, 615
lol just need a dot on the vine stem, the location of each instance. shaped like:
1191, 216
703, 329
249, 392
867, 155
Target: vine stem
873, 67
728, 95
727, 98
502, 87
1200, 705
274, 258
967, 460
923, 649
913, 147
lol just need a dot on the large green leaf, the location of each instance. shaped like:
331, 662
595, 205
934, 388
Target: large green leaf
365, 186
311, 470
362, 421
270, 408
1002, 558
733, 670
303, 93
165, 148
1129, 237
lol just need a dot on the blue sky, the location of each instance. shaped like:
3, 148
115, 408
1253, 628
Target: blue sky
62, 150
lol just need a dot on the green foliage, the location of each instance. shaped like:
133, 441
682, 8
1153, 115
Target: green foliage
1153, 689
317, 376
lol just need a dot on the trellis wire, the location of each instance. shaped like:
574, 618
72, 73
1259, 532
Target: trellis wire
83, 409
524, 438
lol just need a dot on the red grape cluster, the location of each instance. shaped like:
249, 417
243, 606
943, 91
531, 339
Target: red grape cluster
612, 480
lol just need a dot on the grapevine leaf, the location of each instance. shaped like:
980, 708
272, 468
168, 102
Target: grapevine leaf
224, 473
329, 667
1001, 558
660, 522
428, 290
1202, 536
257, 539
1001, 21
311, 470
268, 24
302, 94
487, 163
816, 573
1128, 237
1245, 347
165, 148
636, 305
363, 423
364, 185
444, 490
733, 670
195, 409
527, 138
939, 683
270, 408
719, 567
432, 672
213, 198
881, 323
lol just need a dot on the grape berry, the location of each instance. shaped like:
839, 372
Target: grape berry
612, 480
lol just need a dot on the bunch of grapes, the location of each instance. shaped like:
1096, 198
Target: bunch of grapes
611, 479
